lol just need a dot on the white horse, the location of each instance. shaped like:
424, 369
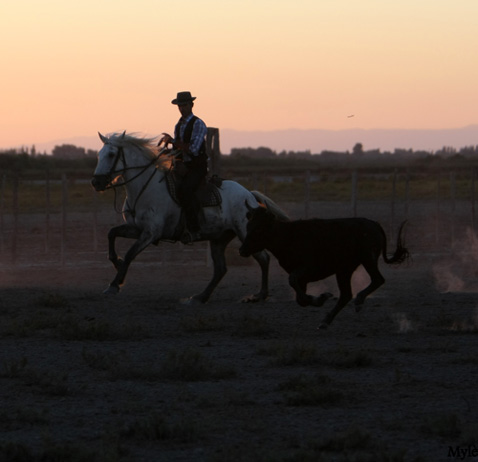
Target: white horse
151, 215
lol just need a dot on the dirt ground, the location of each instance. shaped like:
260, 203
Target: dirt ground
142, 377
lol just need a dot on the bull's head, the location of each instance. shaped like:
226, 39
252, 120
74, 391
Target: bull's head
258, 230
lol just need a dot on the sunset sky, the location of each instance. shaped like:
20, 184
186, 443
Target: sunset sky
74, 68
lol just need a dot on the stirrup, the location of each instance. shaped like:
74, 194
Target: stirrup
189, 237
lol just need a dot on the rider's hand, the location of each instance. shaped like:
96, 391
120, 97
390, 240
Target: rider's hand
181, 145
166, 139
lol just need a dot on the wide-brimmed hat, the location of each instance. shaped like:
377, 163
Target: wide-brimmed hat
183, 97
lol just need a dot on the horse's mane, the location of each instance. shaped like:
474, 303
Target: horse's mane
147, 146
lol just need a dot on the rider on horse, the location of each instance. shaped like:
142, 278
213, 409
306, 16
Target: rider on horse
189, 143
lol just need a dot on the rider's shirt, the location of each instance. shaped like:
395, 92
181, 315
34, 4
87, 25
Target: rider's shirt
198, 135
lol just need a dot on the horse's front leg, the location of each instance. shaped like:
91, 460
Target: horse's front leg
218, 249
126, 231
145, 238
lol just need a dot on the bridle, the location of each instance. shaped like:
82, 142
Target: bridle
114, 173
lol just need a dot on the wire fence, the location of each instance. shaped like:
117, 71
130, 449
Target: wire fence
62, 221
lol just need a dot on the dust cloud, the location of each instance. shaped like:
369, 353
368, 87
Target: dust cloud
458, 271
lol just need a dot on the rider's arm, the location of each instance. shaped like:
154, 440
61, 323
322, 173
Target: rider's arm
197, 137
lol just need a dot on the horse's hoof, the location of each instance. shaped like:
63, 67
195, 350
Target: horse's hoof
254, 298
323, 326
190, 301
111, 290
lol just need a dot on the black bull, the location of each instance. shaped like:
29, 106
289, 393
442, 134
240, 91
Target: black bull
311, 250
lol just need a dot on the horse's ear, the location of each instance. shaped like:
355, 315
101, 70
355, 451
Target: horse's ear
103, 138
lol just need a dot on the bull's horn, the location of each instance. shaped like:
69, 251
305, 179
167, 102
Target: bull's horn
103, 138
124, 133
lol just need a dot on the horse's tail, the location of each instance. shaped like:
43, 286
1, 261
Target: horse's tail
271, 206
401, 253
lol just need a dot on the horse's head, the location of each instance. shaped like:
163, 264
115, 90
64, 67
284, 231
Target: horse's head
110, 162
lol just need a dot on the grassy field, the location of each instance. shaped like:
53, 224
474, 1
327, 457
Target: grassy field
78, 195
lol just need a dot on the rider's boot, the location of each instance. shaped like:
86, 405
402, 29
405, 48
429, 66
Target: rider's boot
191, 233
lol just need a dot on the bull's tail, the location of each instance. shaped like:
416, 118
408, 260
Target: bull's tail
271, 206
401, 253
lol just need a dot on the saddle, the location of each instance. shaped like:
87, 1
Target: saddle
207, 194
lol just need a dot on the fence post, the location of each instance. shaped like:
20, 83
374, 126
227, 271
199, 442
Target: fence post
2, 211
437, 219
394, 198
15, 219
47, 213
473, 177
407, 194
307, 194
95, 222
354, 194
453, 206
254, 181
64, 206
212, 150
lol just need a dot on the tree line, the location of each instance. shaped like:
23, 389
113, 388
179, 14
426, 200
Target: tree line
76, 158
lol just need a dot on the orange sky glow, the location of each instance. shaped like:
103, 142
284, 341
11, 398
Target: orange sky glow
72, 69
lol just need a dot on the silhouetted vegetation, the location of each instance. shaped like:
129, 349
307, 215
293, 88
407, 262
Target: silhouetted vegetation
242, 161
69, 158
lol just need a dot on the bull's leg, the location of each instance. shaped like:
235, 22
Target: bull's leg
263, 259
376, 281
345, 289
298, 281
218, 249
141, 243
300, 287
126, 231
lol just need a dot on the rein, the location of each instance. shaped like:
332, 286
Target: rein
121, 155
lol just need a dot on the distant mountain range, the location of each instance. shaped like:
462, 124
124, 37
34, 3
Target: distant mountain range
317, 141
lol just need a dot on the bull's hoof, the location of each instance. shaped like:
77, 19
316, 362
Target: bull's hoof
322, 298
111, 290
